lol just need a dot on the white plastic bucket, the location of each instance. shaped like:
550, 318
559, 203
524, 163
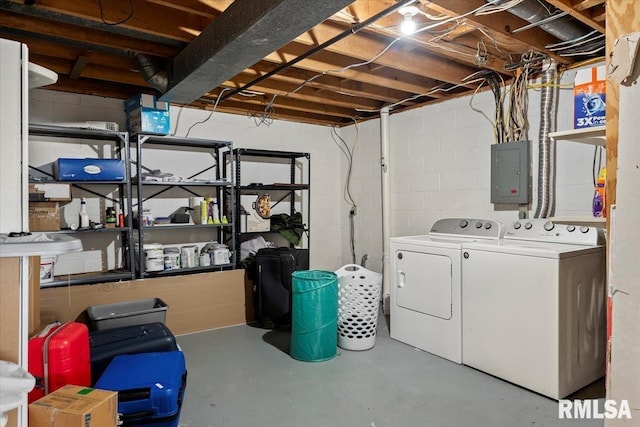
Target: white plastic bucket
221, 256
189, 256
47, 265
153, 257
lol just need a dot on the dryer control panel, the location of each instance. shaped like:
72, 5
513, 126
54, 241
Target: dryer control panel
467, 227
543, 230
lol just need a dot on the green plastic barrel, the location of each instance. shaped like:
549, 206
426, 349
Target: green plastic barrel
314, 315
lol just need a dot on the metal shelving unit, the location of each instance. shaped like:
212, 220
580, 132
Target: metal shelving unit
98, 189
592, 136
295, 191
150, 189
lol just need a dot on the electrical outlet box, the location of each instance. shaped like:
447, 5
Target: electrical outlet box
510, 173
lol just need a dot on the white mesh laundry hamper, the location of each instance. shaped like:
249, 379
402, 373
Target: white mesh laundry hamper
358, 303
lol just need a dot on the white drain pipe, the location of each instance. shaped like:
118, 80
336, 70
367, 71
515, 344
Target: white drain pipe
386, 207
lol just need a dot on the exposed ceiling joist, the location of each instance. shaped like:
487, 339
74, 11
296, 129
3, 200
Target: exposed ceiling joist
206, 8
87, 15
88, 37
586, 4
500, 24
599, 13
413, 62
567, 6
241, 36
325, 73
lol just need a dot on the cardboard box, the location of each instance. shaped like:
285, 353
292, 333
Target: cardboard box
147, 120
44, 216
589, 97
74, 406
145, 114
143, 100
90, 169
42, 192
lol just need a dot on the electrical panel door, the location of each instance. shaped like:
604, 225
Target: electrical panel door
510, 173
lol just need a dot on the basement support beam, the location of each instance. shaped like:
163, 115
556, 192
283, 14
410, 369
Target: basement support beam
241, 36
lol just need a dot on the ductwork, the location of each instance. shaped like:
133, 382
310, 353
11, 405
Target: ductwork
546, 172
152, 72
533, 11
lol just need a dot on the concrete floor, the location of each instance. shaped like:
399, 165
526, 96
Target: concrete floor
243, 376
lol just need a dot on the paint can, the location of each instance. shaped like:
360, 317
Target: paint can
205, 260
221, 255
172, 256
153, 257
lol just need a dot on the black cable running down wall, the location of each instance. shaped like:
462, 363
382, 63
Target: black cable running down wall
344, 34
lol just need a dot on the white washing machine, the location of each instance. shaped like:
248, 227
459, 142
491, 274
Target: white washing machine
534, 306
426, 284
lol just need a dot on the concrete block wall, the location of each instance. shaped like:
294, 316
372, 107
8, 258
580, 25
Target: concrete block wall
52, 107
439, 164
440, 167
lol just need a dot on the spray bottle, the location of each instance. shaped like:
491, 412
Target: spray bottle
214, 208
84, 215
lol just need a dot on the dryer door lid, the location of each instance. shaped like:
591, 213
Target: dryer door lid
424, 283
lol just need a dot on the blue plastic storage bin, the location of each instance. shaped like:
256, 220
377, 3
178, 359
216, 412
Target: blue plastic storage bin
89, 169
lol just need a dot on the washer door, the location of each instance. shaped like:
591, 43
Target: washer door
424, 283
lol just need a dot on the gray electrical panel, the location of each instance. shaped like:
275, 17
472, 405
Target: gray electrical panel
510, 173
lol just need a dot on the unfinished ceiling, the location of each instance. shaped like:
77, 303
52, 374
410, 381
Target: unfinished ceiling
347, 63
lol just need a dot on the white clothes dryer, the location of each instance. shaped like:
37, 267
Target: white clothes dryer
534, 306
426, 284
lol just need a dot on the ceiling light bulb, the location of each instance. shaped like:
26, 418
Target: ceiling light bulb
408, 25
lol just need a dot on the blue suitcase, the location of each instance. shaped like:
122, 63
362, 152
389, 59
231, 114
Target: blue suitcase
150, 387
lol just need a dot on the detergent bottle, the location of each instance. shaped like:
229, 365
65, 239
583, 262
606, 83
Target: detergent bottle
599, 209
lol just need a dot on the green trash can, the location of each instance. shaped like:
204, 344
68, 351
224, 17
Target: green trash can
314, 315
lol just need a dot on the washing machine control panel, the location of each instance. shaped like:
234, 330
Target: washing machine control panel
467, 227
544, 230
